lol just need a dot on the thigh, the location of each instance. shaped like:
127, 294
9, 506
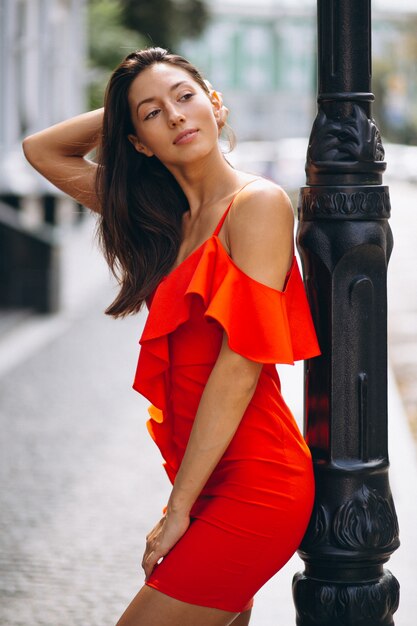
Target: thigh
154, 608
242, 619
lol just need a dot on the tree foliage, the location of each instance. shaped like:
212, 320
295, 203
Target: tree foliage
109, 42
116, 27
109, 39
165, 22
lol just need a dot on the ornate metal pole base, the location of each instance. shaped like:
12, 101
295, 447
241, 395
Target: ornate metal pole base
345, 243
367, 604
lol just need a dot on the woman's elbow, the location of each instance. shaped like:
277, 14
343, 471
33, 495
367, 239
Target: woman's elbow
30, 149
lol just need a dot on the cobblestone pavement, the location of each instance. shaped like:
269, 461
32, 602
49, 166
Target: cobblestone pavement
80, 486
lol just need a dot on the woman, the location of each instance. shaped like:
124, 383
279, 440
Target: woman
210, 250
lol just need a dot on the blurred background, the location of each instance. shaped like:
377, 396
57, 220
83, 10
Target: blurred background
81, 482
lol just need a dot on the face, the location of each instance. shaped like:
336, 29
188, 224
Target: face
173, 117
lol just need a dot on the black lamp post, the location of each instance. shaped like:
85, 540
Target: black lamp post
345, 243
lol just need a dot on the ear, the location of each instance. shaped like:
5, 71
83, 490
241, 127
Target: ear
217, 102
139, 147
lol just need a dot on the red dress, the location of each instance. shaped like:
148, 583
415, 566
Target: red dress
253, 511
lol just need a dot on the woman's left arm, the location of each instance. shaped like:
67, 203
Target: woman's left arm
233, 379
227, 393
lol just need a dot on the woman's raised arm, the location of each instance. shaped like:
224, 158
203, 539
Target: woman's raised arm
58, 153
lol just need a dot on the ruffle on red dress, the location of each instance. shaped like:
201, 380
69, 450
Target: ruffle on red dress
262, 323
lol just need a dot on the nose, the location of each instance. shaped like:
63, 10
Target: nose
175, 116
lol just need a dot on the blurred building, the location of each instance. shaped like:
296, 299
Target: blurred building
42, 76
262, 55
42, 56
394, 72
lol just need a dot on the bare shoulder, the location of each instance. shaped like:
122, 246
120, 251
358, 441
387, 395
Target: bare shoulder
262, 204
260, 232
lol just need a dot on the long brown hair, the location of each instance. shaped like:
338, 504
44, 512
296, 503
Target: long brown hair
142, 204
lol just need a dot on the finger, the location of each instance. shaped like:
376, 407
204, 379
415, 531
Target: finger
148, 569
149, 549
155, 530
143, 562
150, 563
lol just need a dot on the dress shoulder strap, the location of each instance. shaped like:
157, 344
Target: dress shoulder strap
223, 217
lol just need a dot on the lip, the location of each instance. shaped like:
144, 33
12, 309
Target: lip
185, 136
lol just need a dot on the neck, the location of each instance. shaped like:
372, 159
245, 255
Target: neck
205, 181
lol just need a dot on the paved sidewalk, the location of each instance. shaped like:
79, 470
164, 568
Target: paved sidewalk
82, 482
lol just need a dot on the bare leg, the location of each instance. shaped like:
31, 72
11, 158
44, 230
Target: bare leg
242, 619
152, 608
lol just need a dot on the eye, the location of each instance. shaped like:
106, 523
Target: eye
151, 114
187, 96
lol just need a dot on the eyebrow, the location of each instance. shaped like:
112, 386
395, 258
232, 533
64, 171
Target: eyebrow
151, 99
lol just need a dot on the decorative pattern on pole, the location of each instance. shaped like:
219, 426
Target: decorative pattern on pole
345, 243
